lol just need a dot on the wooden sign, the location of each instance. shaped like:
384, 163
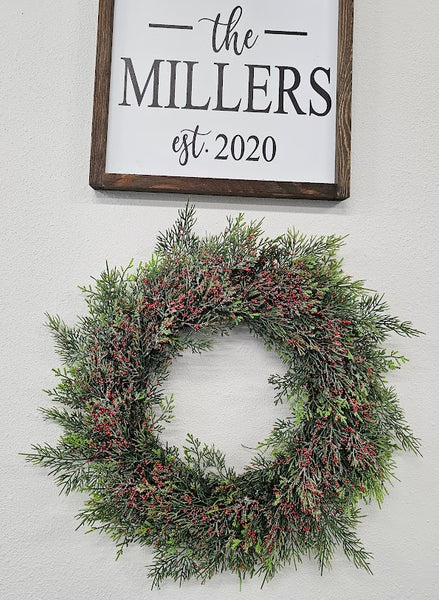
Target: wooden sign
216, 97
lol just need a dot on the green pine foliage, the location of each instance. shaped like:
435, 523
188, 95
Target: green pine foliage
300, 495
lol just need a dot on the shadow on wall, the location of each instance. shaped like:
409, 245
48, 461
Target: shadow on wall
176, 201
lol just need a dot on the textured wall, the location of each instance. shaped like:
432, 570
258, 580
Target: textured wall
56, 232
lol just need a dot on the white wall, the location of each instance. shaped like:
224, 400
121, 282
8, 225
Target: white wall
56, 232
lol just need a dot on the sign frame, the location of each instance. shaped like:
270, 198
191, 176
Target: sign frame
102, 180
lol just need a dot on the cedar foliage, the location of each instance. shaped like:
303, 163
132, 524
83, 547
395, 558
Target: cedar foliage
300, 495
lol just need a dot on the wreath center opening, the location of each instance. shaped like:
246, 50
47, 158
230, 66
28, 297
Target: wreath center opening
222, 396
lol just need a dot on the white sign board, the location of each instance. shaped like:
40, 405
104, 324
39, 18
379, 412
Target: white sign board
215, 90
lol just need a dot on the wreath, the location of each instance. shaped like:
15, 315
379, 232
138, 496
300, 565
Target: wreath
300, 494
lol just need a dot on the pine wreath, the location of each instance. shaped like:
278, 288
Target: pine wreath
300, 494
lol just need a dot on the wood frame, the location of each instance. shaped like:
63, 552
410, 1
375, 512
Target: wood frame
101, 180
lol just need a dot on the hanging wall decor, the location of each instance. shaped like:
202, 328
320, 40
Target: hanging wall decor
224, 98
300, 495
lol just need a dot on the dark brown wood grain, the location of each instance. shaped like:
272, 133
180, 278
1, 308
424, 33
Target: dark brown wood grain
101, 180
221, 187
101, 94
344, 99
